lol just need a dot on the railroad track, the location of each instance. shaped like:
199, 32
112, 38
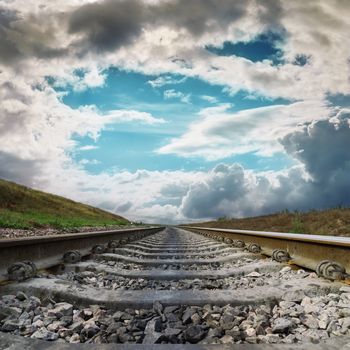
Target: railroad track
175, 286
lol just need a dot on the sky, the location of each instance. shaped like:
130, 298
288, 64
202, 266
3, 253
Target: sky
172, 111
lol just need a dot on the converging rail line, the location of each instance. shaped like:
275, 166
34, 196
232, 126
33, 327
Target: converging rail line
186, 287
327, 255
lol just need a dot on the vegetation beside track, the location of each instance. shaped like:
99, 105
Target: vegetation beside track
335, 222
25, 208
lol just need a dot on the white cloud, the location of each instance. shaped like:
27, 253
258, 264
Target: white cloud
210, 99
51, 42
41, 122
41, 40
219, 133
87, 148
89, 162
320, 181
170, 94
132, 116
166, 80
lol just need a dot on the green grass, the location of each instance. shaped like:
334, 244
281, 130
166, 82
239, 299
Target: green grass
334, 222
25, 208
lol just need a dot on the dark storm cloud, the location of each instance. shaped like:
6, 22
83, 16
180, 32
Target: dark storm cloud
22, 38
8, 49
18, 170
110, 24
323, 147
107, 25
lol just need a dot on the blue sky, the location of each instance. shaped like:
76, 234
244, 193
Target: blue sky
133, 147
173, 112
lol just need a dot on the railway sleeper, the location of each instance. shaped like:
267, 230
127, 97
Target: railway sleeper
256, 300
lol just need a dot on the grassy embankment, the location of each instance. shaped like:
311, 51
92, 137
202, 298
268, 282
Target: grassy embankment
25, 208
335, 222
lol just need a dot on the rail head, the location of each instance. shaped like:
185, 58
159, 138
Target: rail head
319, 239
22, 257
10, 242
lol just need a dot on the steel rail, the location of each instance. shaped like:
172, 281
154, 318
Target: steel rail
304, 250
48, 251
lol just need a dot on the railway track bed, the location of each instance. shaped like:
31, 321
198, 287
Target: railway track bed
175, 287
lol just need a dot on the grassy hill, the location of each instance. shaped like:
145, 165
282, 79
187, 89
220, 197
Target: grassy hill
335, 222
25, 208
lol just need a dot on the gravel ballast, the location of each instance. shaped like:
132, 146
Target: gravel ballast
309, 319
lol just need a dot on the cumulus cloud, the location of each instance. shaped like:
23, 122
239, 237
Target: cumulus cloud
39, 39
228, 189
323, 146
214, 197
38, 117
170, 37
320, 181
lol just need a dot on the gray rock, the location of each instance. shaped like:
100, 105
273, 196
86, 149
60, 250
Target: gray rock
117, 315
74, 339
195, 318
90, 330
172, 331
254, 274
315, 335
281, 325
194, 334
51, 336
76, 326
215, 332
38, 323
61, 309
27, 330
310, 321
295, 295
186, 317
11, 325
8, 298
170, 309
40, 334
35, 301
48, 320
6, 311
158, 307
227, 339
54, 326
24, 316
153, 333
332, 326
21, 296
250, 332
226, 321
272, 338
323, 321
285, 269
